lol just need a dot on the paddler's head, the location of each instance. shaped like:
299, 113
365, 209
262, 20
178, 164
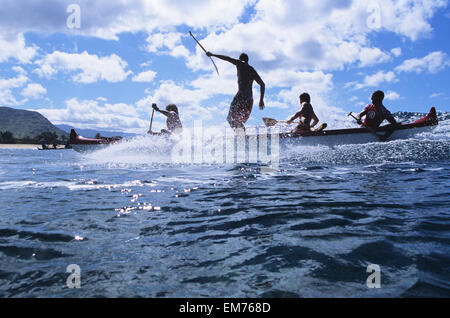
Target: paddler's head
243, 57
377, 97
305, 98
172, 108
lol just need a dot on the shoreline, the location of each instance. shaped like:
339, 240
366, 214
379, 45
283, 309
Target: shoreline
19, 146
26, 146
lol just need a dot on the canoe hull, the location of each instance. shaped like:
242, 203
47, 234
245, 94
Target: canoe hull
350, 138
361, 135
326, 137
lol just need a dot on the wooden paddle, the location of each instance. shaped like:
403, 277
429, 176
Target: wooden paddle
269, 122
215, 66
151, 123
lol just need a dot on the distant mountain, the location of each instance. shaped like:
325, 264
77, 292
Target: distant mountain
90, 133
24, 123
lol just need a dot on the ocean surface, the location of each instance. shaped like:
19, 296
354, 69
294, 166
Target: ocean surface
137, 225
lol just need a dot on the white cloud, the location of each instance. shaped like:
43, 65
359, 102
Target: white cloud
337, 34
409, 18
433, 63
308, 81
374, 80
372, 56
171, 93
146, 76
391, 95
396, 51
322, 35
91, 68
12, 46
106, 19
167, 43
96, 114
34, 91
6, 85
14, 82
19, 70
337, 31
437, 95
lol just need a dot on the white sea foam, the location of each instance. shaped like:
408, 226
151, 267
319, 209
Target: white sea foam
149, 150
72, 185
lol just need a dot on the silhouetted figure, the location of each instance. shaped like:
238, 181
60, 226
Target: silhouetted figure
242, 104
376, 113
306, 114
173, 121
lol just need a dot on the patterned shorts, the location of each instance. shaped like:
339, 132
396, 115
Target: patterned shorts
241, 108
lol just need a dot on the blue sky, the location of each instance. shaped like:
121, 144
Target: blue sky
127, 54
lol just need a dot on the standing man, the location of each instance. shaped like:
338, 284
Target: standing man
242, 104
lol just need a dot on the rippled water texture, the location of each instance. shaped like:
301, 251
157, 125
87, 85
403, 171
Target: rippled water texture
140, 226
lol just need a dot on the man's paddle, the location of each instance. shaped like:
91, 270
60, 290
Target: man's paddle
151, 123
373, 131
215, 66
269, 122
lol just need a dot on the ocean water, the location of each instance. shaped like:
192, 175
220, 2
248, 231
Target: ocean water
138, 225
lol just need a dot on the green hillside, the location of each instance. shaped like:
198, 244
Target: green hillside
24, 123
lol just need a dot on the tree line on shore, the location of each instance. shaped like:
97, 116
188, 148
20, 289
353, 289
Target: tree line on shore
47, 137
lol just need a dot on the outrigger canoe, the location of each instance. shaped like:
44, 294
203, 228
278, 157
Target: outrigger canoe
361, 135
83, 144
324, 137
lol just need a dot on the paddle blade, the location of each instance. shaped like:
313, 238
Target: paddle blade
321, 127
269, 122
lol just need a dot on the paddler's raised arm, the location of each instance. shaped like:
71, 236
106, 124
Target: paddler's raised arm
223, 57
165, 113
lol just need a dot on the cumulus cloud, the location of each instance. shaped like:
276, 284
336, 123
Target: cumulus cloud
146, 76
88, 68
374, 80
19, 70
7, 85
409, 18
396, 51
34, 91
391, 95
433, 63
330, 35
107, 19
13, 46
96, 114
319, 35
167, 43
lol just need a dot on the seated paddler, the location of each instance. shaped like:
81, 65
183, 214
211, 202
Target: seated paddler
173, 119
306, 115
376, 113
